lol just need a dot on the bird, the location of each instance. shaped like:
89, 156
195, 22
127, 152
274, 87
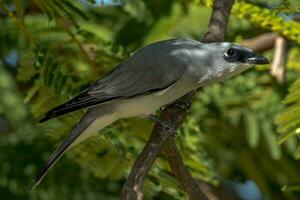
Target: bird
154, 76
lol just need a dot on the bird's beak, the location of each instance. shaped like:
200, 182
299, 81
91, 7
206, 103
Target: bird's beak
256, 59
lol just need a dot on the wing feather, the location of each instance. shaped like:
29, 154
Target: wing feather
152, 68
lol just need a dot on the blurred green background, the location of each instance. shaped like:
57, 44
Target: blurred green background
243, 133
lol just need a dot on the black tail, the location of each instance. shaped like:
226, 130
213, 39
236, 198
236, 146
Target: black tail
83, 100
83, 124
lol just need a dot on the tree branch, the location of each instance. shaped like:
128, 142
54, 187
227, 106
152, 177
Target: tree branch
280, 56
172, 116
218, 21
223, 191
175, 116
261, 43
216, 32
184, 177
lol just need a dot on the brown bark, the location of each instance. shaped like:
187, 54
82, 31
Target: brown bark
218, 21
184, 177
223, 191
261, 43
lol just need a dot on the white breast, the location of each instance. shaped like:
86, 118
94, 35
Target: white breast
148, 104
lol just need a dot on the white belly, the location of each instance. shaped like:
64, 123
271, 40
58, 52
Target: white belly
139, 106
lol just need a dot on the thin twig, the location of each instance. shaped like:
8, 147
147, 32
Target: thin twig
82, 49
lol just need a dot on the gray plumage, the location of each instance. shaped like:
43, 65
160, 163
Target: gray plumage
154, 76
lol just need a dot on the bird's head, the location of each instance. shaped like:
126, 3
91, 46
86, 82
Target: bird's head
231, 59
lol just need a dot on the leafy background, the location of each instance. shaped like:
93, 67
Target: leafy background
244, 132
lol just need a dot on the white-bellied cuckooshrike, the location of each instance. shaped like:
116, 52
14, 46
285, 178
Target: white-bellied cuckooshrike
154, 76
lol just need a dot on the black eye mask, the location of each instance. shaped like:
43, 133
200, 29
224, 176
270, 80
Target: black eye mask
237, 55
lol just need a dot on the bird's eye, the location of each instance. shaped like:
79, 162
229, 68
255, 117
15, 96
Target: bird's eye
230, 52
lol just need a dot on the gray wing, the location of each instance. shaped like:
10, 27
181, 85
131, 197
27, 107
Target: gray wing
152, 68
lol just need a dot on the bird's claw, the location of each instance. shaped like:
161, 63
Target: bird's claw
165, 125
183, 106
162, 108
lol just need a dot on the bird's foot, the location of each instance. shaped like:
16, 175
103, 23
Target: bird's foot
162, 108
168, 126
183, 106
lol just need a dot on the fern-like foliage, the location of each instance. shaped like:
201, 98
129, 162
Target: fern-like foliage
64, 46
288, 121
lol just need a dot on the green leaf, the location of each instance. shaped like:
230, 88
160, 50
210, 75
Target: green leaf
288, 121
75, 9
291, 187
270, 139
91, 1
252, 129
26, 68
99, 31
